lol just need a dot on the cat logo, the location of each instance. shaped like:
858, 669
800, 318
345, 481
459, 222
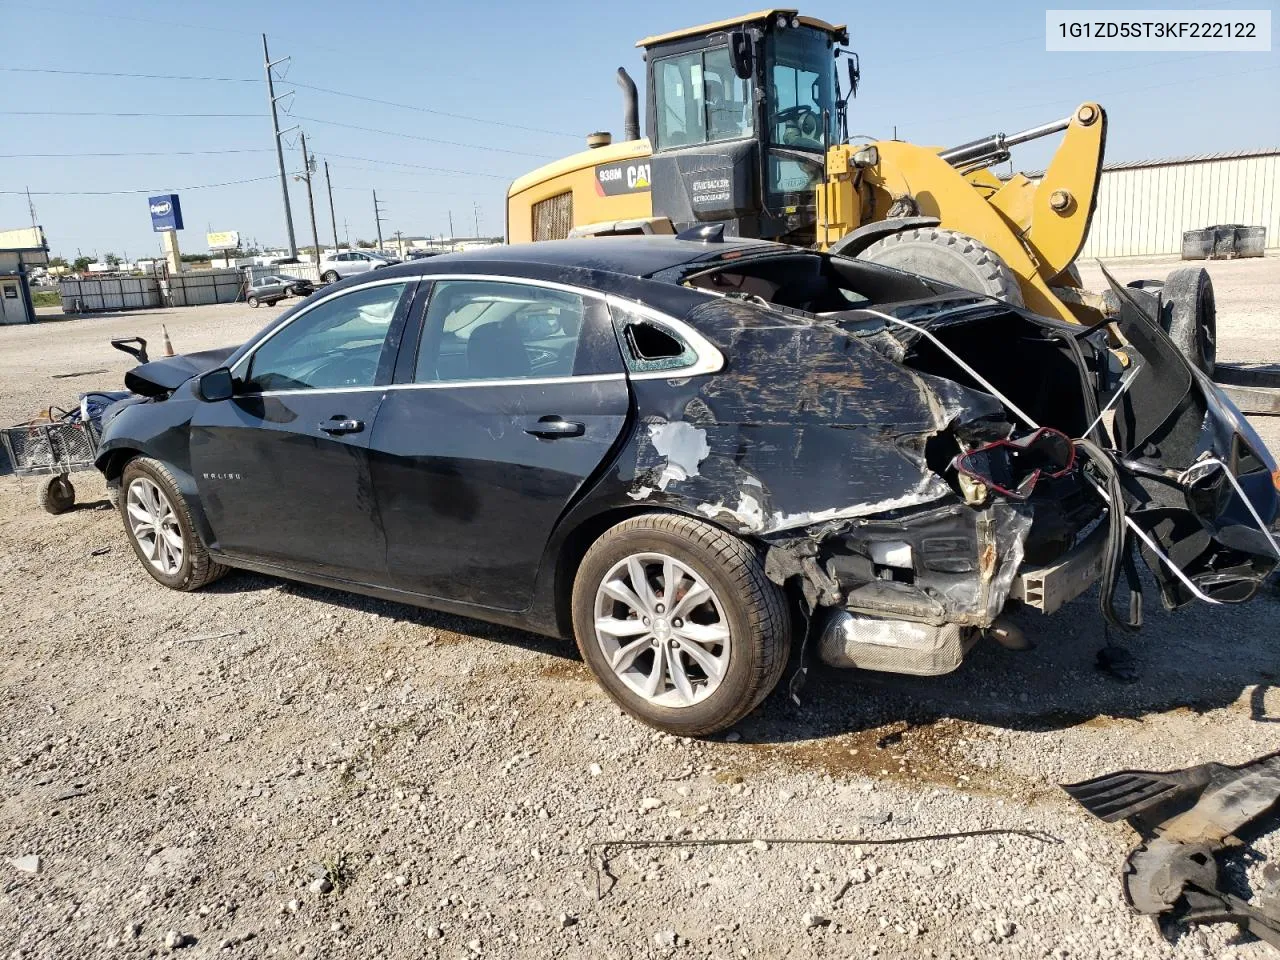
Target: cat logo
615, 179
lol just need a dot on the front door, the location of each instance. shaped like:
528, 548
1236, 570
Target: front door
282, 467
517, 397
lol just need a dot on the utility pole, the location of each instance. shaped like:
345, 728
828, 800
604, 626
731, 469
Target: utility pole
377, 218
308, 167
451, 233
275, 129
476, 209
332, 219
32, 207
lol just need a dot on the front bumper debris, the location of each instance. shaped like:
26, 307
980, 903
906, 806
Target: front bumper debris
1051, 586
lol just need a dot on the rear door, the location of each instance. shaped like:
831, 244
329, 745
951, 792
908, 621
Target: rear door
282, 467
514, 396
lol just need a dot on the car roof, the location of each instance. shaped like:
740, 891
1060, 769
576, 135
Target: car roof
637, 256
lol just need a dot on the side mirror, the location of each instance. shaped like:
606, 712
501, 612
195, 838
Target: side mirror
855, 74
215, 385
742, 54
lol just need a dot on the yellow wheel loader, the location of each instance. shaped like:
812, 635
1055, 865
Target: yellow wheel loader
747, 127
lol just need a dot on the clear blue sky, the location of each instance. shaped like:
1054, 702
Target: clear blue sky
941, 71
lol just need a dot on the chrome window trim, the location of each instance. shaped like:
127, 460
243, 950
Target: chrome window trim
709, 358
311, 306
450, 384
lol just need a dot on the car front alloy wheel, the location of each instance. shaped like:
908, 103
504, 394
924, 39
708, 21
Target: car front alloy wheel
157, 520
154, 526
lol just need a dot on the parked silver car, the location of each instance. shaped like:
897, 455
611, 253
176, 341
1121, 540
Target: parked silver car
347, 263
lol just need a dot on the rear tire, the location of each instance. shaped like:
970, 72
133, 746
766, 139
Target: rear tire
57, 496
140, 481
1191, 316
947, 256
739, 597
330, 277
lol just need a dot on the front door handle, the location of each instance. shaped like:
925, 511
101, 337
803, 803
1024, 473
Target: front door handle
336, 426
552, 426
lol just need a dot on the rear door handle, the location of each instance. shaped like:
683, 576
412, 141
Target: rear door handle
552, 426
336, 426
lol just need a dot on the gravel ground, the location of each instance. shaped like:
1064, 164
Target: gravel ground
273, 769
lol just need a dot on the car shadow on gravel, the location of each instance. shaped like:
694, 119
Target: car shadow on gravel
459, 628
1199, 659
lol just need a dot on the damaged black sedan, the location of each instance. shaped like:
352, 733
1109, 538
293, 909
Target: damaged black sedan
688, 454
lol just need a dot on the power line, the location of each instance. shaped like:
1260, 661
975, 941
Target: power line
101, 113
411, 136
418, 109
420, 166
132, 76
132, 153
108, 193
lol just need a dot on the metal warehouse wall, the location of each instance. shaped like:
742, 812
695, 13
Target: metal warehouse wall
1143, 208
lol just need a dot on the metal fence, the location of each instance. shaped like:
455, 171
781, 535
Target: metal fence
119, 293
203, 287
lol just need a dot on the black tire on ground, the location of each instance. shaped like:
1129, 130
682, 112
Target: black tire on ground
253, 302
755, 607
330, 277
56, 496
197, 568
947, 256
1191, 316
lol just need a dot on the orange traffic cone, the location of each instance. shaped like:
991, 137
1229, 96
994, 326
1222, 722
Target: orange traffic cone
168, 347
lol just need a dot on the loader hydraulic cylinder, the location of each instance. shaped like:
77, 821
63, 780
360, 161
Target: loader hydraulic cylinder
995, 148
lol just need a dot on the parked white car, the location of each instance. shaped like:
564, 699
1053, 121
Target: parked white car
347, 263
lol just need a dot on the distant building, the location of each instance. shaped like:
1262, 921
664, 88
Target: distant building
19, 250
1144, 206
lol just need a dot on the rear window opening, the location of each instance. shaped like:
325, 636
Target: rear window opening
814, 283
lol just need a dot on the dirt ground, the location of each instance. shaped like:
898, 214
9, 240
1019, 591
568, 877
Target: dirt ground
270, 769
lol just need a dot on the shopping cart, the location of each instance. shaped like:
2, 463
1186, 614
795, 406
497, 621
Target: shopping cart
57, 444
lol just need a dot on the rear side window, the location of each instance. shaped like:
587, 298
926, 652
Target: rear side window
495, 330
650, 345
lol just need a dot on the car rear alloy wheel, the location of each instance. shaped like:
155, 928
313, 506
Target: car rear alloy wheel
679, 624
155, 526
157, 520
663, 630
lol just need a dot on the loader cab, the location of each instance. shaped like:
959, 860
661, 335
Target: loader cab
740, 116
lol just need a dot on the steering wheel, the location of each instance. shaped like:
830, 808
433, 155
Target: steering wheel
802, 126
346, 372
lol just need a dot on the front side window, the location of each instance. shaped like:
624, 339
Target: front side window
496, 330
336, 344
701, 100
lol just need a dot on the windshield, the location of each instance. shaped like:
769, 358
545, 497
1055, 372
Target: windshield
801, 88
700, 99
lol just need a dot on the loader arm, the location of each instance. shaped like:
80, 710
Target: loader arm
1053, 215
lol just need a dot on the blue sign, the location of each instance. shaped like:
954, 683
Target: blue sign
166, 212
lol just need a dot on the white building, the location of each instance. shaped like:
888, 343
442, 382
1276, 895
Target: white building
1144, 206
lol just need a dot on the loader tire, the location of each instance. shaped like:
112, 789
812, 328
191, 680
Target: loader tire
950, 257
1190, 316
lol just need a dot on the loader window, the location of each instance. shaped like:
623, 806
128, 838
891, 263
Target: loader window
701, 100
801, 88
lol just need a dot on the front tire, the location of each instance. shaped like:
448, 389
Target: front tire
948, 256
1192, 316
253, 302
679, 623
158, 523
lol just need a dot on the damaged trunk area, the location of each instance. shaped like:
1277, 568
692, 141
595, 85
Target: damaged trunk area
911, 460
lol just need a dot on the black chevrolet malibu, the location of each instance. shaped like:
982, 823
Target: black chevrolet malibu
687, 454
